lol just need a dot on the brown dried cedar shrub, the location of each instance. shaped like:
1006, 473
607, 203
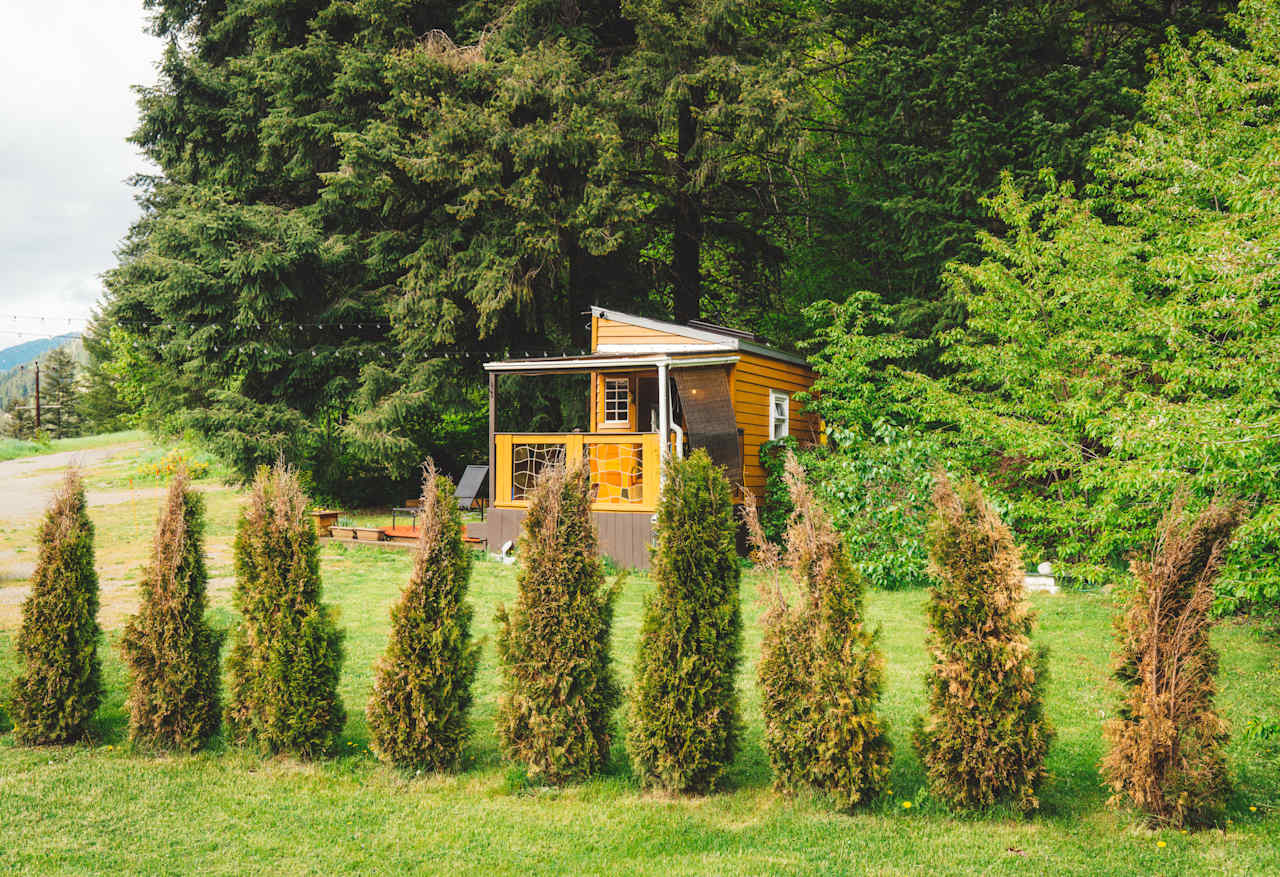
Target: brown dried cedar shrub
1165, 746
985, 736
60, 684
558, 689
820, 672
169, 648
286, 653
422, 683
684, 725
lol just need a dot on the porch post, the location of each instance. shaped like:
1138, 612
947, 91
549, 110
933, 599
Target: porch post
493, 451
664, 418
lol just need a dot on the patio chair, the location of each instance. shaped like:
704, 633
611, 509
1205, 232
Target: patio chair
469, 487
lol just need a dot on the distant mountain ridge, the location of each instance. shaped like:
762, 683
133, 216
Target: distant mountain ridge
19, 383
27, 351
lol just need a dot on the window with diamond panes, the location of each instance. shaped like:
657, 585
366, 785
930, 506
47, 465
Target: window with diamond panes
527, 463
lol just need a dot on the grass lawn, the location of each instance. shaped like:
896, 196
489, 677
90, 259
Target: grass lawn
12, 449
102, 807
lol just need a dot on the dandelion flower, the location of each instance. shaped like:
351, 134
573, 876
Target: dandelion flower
1160, 844
1253, 809
906, 805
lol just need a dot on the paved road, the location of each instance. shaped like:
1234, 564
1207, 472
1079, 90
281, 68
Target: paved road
27, 484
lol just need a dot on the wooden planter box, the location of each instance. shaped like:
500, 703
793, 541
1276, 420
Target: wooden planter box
369, 534
326, 520
342, 532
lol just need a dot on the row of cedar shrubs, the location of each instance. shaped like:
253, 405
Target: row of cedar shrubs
983, 740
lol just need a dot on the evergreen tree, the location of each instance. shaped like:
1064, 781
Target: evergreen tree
59, 394
984, 738
422, 684
820, 672
59, 685
100, 405
555, 712
20, 424
252, 303
286, 652
1165, 745
685, 719
169, 648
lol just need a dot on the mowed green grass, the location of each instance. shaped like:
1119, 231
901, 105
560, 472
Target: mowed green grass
12, 449
103, 807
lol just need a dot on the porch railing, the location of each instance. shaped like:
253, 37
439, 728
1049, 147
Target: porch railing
624, 466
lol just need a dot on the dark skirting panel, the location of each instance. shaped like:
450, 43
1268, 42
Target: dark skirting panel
625, 537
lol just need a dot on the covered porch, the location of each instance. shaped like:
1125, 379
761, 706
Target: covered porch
640, 408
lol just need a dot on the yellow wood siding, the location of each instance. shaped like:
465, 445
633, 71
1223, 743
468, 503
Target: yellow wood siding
753, 377
604, 331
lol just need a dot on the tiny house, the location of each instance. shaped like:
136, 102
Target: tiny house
654, 388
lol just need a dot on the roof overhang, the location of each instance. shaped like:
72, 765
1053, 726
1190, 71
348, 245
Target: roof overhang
580, 364
701, 337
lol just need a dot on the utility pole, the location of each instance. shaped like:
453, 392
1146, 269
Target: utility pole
37, 395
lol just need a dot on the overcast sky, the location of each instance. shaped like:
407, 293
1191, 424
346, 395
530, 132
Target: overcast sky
65, 109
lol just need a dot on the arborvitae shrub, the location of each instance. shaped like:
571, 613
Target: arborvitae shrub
422, 684
1165, 745
820, 672
169, 648
985, 736
559, 692
684, 723
60, 684
286, 652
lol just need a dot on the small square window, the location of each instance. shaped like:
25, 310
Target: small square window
617, 400
779, 414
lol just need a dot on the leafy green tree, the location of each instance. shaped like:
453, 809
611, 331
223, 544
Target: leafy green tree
1119, 340
685, 718
984, 738
1165, 743
59, 685
820, 672
422, 684
555, 713
286, 652
171, 651
930, 102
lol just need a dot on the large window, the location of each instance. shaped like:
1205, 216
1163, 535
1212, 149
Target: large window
779, 414
617, 401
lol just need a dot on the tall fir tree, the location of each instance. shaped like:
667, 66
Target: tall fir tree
171, 651
820, 672
559, 692
59, 685
60, 394
422, 684
286, 652
984, 738
685, 719
1165, 745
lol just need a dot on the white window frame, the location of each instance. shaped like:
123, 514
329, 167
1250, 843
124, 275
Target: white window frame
625, 398
774, 422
